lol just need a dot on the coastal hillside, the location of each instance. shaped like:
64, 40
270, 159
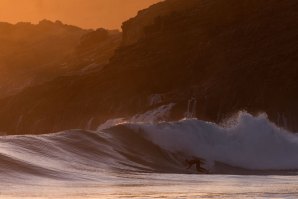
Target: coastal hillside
228, 55
33, 54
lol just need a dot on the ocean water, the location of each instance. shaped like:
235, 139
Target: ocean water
248, 157
156, 185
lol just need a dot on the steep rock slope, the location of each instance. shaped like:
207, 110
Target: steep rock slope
94, 50
34, 53
230, 55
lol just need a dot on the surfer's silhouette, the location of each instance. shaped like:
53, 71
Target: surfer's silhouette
198, 162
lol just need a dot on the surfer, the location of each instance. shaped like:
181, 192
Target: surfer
198, 162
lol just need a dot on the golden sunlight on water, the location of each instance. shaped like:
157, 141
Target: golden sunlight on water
164, 186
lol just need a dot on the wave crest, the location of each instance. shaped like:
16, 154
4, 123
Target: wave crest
248, 145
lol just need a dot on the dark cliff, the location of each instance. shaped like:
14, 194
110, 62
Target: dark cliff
230, 55
95, 50
133, 29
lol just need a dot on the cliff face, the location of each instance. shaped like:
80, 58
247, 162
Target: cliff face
34, 53
230, 55
133, 29
95, 50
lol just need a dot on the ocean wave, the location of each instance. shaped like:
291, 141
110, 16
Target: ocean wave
248, 145
248, 142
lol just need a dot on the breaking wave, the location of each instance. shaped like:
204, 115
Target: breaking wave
249, 145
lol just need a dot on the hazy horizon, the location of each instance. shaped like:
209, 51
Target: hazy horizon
94, 14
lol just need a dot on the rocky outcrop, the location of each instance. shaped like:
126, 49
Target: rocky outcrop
133, 29
34, 53
95, 50
228, 55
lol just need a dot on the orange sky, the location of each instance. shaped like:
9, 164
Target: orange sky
84, 13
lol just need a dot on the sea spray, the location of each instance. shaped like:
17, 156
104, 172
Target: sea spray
251, 143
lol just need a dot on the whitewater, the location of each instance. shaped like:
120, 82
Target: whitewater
247, 157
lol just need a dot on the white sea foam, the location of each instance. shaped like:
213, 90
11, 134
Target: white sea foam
251, 143
151, 116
